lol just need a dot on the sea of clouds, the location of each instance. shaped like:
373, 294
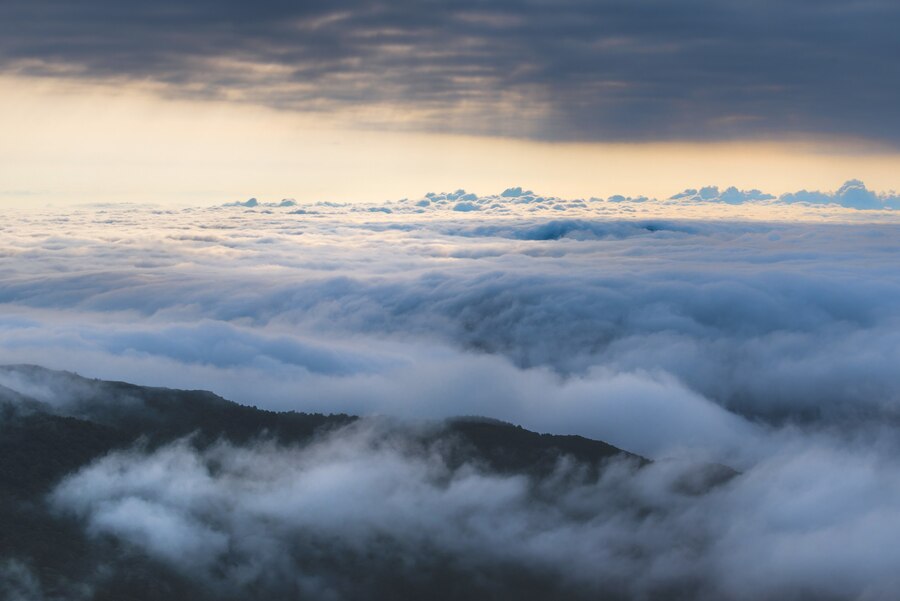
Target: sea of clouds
763, 334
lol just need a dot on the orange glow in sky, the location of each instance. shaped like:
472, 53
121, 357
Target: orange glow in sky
75, 142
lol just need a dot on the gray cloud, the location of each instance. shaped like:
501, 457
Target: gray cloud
768, 345
853, 194
611, 70
19, 583
730, 195
261, 517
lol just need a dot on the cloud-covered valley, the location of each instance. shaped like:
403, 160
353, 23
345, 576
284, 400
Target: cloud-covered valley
425, 315
762, 334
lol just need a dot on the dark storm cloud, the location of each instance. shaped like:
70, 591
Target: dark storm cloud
608, 70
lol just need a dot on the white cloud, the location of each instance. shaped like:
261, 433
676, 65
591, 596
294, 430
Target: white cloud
396, 313
770, 344
852, 194
730, 195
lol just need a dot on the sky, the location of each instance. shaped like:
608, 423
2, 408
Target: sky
670, 226
204, 102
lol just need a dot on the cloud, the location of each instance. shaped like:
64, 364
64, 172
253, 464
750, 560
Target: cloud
565, 324
264, 516
768, 344
852, 194
19, 583
251, 202
730, 195
578, 70
519, 202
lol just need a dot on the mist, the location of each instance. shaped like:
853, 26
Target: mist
756, 333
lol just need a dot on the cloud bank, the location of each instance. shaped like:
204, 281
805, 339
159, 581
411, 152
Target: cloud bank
762, 334
286, 521
853, 194
347, 310
575, 70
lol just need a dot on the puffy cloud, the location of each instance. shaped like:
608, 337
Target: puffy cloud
253, 203
853, 194
730, 195
620, 198
516, 192
518, 202
465, 207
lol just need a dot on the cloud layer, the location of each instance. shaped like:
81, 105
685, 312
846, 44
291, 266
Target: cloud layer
366, 312
763, 334
853, 194
610, 70
296, 521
